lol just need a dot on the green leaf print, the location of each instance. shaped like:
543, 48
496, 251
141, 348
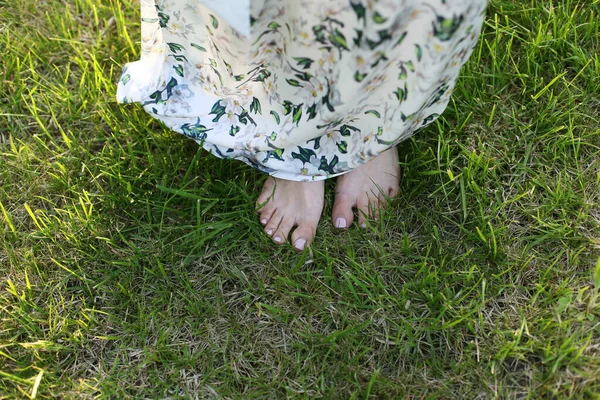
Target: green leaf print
273, 135
276, 116
172, 83
445, 28
304, 62
359, 76
401, 94
218, 75
419, 52
273, 26
384, 35
330, 125
304, 154
276, 154
220, 153
360, 11
228, 66
233, 130
358, 38
175, 47
163, 19
214, 21
345, 130
325, 99
378, 18
312, 112
156, 98
305, 76
338, 40
125, 78
430, 118
328, 166
178, 69
381, 57
287, 107
293, 82
197, 46
244, 117
401, 39
179, 57
317, 142
437, 95
403, 73
262, 75
196, 131
342, 147
334, 21
239, 78
385, 142
255, 106
319, 31
297, 114
373, 112
218, 110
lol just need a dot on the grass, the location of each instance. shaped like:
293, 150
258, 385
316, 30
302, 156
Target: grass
132, 264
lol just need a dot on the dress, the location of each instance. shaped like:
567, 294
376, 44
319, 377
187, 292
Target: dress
301, 89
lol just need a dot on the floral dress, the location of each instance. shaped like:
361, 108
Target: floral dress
300, 89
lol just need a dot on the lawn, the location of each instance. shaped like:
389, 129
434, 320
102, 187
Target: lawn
132, 263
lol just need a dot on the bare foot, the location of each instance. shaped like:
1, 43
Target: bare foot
366, 188
284, 204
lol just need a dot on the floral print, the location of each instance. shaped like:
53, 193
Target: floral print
315, 89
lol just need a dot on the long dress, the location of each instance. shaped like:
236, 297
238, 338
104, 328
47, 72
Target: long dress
300, 89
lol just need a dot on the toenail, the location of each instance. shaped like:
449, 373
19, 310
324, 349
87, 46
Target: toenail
363, 225
340, 222
299, 244
269, 232
277, 239
263, 221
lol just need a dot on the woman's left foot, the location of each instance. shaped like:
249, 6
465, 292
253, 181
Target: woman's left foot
366, 188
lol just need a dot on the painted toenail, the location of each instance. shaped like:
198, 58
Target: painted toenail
299, 244
340, 222
263, 221
269, 232
277, 239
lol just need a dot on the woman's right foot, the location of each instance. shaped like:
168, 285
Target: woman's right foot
284, 204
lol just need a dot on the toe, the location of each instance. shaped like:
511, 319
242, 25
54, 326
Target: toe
304, 235
366, 206
281, 233
342, 215
376, 207
265, 194
273, 223
266, 213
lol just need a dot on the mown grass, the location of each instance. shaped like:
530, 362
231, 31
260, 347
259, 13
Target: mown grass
132, 264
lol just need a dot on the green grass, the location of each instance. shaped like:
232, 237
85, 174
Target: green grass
132, 264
